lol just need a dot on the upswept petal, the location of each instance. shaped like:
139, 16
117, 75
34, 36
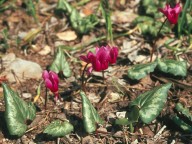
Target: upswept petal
54, 77
48, 84
45, 74
178, 8
84, 58
113, 55
96, 64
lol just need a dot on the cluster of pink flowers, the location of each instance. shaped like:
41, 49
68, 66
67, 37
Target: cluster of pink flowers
51, 80
172, 14
100, 61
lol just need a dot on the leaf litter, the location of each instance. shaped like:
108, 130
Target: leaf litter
114, 96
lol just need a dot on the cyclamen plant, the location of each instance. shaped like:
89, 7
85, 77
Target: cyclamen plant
172, 14
51, 80
99, 61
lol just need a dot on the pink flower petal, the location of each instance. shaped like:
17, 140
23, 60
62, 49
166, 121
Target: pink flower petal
54, 76
89, 70
84, 58
45, 74
48, 84
172, 14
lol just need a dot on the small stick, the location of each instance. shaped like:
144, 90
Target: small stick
159, 133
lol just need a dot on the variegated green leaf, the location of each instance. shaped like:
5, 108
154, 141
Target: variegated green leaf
60, 63
176, 68
180, 123
81, 25
151, 103
17, 112
179, 107
139, 71
90, 115
58, 128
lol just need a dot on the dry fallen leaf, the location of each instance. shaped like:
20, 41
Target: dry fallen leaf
67, 35
46, 50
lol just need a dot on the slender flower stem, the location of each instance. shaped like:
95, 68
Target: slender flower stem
83, 77
153, 49
103, 74
46, 98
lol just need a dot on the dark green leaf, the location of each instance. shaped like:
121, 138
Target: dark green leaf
90, 115
176, 68
184, 126
133, 115
139, 71
179, 107
151, 103
17, 112
122, 121
60, 63
81, 25
58, 128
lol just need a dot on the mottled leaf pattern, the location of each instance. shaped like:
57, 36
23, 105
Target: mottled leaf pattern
90, 115
58, 128
151, 102
60, 63
139, 71
176, 68
17, 112
179, 107
81, 25
180, 123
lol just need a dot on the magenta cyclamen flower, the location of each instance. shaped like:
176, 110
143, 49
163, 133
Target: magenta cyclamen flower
172, 14
101, 59
51, 81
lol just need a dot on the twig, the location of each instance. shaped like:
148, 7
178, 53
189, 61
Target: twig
158, 135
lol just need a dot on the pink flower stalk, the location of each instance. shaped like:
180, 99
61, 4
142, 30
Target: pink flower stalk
51, 82
101, 59
172, 14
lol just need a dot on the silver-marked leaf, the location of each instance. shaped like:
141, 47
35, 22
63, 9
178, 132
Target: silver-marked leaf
17, 112
139, 71
58, 128
81, 25
179, 107
176, 68
180, 123
90, 115
60, 63
151, 103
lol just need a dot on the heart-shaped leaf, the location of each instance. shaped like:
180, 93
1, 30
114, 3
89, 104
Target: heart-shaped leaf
90, 115
139, 71
81, 25
58, 128
60, 63
151, 103
17, 112
176, 68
